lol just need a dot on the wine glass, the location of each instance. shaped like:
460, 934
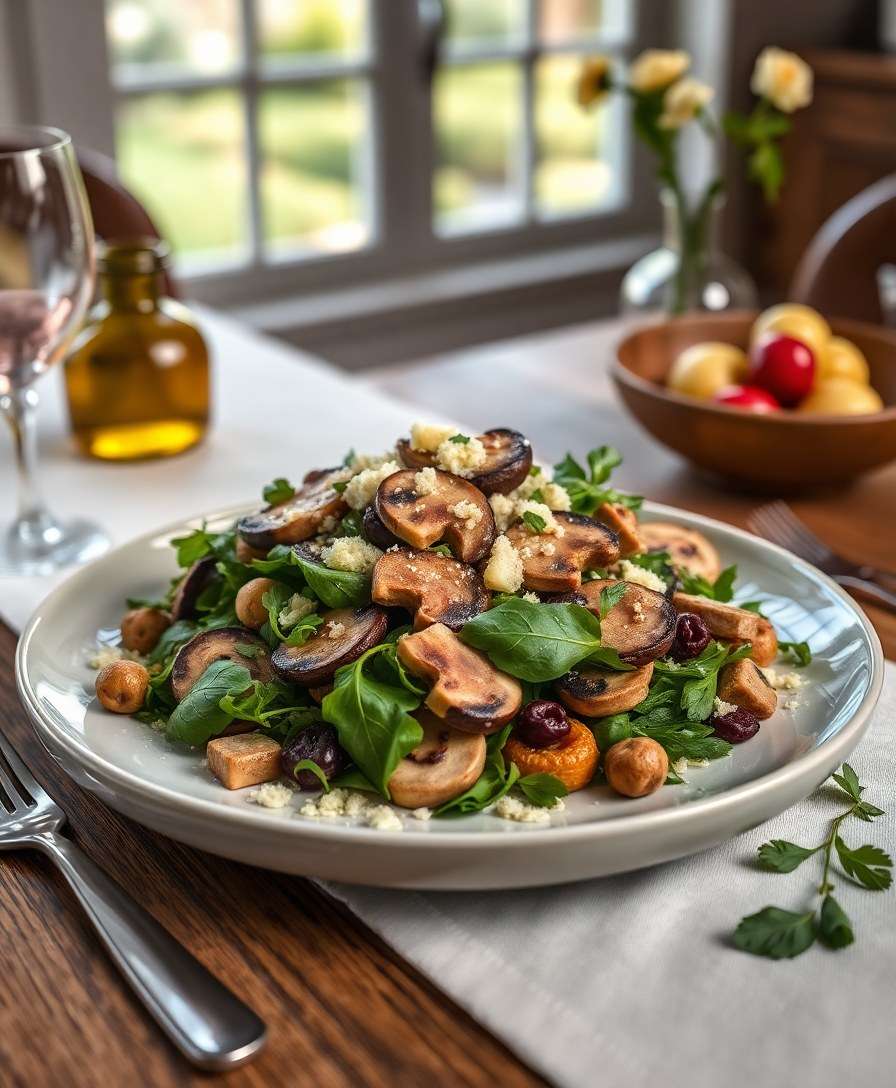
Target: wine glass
46, 283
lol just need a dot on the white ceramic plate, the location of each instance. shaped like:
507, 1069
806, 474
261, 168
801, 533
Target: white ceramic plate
135, 771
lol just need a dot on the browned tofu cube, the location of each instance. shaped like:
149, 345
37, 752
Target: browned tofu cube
624, 523
723, 620
743, 684
765, 645
244, 760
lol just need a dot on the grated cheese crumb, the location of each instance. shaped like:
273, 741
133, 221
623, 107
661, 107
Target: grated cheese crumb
461, 458
427, 437
105, 655
335, 629
362, 488
532, 597
467, 511
351, 553
513, 808
551, 525
295, 609
504, 570
630, 572
421, 813
384, 818
722, 708
783, 681
271, 795
426, 482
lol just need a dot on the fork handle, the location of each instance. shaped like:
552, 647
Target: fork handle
867, 591
204, 1020
884, 578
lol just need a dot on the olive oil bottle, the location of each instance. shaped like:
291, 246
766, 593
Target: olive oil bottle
137, 377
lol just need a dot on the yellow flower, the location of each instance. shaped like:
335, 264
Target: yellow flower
657, 68
594, 81
682, 102
783, 78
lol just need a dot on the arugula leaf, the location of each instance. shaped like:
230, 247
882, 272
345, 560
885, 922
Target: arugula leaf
265, 703
534, 522
336, 588
776, 933
542, 790
780, 856
722, 589
310, 765
487, 790
834, 928
588, 491
193, 546
799, 652
610, 597
684, 740
866, 865
280, 490
611, 730
198, 716
275, 600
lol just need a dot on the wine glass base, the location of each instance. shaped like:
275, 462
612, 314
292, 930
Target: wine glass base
50, 545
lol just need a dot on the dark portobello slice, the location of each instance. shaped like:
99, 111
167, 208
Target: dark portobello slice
198, 576
508, 460
217, 644
421, 520
376, 532
641, 627
436, 588
597, 693
554, 564
299, 517
314, 663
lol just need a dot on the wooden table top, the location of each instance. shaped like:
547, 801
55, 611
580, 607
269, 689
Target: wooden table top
342, 1009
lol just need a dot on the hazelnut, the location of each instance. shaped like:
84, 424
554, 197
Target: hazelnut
121, 686
142, 628
636, 766
249, 609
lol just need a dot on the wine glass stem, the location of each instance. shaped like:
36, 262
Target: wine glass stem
20, 409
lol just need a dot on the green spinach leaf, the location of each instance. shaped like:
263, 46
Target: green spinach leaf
199, 716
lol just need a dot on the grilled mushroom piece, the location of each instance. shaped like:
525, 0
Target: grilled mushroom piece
344, 635
198, 576
444, 764
553, 563
376, 532
436, 588
725, 621
597, 693
640, 627
743, 684
624, 523
218, 644
508, 458
686, 547
468, 692
456, 512
298, 518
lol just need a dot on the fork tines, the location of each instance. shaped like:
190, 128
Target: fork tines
18, 788
777, 522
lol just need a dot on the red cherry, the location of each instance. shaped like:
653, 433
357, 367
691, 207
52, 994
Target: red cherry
784, 366
749, 397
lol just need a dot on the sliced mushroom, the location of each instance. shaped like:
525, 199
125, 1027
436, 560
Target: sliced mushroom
508, 458
624, 523
597, 693
640, 627
724, 621
743, 684
468, 692
686, 547
436, 588
764, 646
376, 532
298, 518
344, 635
553, 563
198, 576
456, 512
444, 764
218, 644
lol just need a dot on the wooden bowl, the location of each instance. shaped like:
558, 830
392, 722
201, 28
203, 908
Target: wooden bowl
779, 450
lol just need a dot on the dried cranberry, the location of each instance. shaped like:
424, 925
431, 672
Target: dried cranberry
542, 723
319, 743
736, 726
691, 637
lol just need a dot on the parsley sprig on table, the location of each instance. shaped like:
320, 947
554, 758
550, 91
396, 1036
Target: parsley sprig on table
783, 934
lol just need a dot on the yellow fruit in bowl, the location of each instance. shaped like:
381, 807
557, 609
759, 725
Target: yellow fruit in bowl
841, 397
793, 319
840, 358
703, 369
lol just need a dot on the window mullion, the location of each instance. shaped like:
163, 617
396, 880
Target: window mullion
529, 148
250, 114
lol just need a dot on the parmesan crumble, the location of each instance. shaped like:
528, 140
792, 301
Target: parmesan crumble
335, 629
295, 610
461, 458
551, 525
783, 681
722, 708
504, 570
271, 795
427, 437
354, 805
351, 553
362, 488
512, 808
426, 482
467, 511
631, 572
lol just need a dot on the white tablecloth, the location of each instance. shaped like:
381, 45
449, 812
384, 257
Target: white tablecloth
626, 981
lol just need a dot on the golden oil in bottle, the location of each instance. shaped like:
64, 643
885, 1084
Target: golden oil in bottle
137, 377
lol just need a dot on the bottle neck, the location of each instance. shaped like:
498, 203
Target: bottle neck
136, 294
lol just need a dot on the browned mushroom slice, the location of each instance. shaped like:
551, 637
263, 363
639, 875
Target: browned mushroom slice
764, 646
198, 576
553, 563
344, 635
742, 684
624, 523
468, 692
597, 693
686, 547
444, 764
456, 512
298, 518
508, 458
723, 620
436, 588
218, 644
640, 627
376, 532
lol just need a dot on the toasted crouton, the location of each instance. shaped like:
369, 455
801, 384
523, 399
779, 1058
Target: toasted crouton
743, 684
244, 760
724, 621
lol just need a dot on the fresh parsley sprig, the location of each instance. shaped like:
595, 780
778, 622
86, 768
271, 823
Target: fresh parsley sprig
783, 934
589, 490
797, 652
279, 490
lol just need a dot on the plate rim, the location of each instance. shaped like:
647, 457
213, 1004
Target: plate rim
806, 765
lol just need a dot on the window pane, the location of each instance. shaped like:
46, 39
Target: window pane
567, 20
478, 125
474, 22
199, 37
184, 156
314, 174
573, 145
293, 28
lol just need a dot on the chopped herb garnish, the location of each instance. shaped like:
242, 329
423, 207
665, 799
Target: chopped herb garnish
589, 490
460, 439
280, 490
798, 652
535, 523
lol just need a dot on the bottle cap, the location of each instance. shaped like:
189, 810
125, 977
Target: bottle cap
132, 256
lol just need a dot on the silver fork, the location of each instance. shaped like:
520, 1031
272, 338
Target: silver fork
208, 1024
777, 522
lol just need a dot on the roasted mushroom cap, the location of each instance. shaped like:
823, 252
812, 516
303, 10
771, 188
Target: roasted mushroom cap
624, 523
444, 764
554, 563
436, 588
376, 532
456, 512
183, 607
640, 627
597, 693
508, 458
298, 518
725, 621
218, 644
686, 547
468, 691
344, 635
